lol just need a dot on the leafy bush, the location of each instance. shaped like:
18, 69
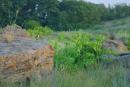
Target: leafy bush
73, 50
39, 31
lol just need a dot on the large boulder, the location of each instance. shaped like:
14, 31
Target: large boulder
24, 58
116, 46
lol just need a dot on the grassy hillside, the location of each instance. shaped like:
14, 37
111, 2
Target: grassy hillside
76, 56
114, 26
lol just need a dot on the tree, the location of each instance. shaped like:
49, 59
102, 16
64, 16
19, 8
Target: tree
17, 6
5, 12
40, 10
10, 10
59, 14
79, 14
122, 11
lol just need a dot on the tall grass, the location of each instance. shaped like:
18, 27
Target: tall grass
91, 77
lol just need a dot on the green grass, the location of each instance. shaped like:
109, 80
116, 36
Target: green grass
120, 27
91, 77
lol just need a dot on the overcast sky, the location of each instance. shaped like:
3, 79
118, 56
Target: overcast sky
111, 2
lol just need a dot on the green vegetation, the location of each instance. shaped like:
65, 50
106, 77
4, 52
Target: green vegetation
120, 27
86, 48
92, 77
39, 31
80, 49
77, 49
59, 14
78, 57
77, 30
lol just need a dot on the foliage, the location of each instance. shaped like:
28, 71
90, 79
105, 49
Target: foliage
39, 31
10, 11
77, 14
59, 15
73, 50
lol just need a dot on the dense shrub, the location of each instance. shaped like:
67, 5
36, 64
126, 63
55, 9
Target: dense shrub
73, 50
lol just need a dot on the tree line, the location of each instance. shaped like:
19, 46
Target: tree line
58, 15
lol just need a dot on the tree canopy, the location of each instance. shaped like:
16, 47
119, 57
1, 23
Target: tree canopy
59, 15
